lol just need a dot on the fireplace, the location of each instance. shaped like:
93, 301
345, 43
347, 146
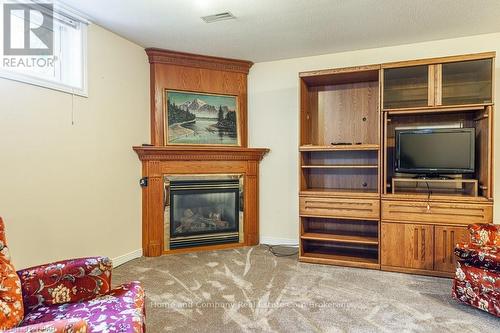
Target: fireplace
202, 210
161, 165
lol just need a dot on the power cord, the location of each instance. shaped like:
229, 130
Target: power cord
429, 192
276, 253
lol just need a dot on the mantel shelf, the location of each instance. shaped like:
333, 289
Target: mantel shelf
188, 153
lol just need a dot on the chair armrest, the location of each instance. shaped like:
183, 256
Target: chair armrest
484, 234
67, 281
73, 325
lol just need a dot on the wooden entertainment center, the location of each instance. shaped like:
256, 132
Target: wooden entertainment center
355, 209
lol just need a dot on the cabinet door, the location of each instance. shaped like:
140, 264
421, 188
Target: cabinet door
407, 245
407, 87
445, 239
465, 82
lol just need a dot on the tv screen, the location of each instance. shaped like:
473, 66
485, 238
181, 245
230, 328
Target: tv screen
435, 151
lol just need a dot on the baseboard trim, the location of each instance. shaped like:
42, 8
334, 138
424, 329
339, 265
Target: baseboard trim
279, 241
120, 260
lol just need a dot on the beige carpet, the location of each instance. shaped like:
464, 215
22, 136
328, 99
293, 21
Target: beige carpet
250, 290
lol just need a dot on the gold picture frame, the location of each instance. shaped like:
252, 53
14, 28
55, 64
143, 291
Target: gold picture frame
194, 118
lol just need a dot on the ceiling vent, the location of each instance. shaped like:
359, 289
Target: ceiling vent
218, 17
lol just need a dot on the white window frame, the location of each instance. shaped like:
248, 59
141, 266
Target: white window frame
40, 82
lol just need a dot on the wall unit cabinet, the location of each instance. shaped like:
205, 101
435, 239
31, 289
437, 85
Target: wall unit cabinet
355, 210
445, 238
465, 82
424, 248
340, 167
407, 87
414, 241
452, 81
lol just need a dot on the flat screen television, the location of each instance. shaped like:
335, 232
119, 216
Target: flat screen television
435, 151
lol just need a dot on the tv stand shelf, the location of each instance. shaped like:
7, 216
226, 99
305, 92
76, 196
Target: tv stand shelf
341, 166
346, 147
466, 187
340, 192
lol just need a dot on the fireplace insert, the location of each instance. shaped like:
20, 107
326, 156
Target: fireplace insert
203, 210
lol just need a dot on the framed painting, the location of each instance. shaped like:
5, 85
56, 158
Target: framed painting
193, 118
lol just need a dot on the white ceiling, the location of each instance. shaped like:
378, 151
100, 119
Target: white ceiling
276, 29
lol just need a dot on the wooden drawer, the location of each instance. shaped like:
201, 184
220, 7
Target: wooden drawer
340, 207
438, 212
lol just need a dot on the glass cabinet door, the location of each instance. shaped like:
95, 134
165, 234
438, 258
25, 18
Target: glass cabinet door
406, 87
467, 82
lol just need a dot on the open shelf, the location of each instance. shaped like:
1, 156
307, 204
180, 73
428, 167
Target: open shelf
340, 166
470, 185
340, 192
456, 186
337, 226
336, 259
340, 238
333, 148
438, 197
341, 179
340, 111
340, 170
354, 255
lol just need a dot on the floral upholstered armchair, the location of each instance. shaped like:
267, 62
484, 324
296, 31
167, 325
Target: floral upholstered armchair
477, 280
71, 296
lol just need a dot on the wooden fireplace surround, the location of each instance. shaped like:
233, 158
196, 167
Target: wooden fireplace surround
190, 72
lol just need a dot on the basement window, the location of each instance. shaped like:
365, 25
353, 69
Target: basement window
44, 44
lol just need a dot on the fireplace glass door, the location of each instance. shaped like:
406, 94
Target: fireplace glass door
203, 212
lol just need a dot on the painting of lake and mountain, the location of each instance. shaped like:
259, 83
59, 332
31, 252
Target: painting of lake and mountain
201, 119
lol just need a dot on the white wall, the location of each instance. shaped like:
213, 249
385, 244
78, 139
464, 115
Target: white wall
72, 190
274, 112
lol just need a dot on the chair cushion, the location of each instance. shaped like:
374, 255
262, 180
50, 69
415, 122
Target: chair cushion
73, 325
477, 287
4, 250
121, 310
485, 234
11, 298
480, 256
66, 281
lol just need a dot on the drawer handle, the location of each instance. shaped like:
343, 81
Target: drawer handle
445, 254
415, 243
452, 245
353, 209
423, 244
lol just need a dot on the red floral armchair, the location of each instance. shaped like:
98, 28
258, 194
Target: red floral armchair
71, 296
477, 280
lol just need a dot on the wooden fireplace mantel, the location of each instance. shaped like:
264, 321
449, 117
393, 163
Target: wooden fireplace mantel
160, 161
168, 153
204, 74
